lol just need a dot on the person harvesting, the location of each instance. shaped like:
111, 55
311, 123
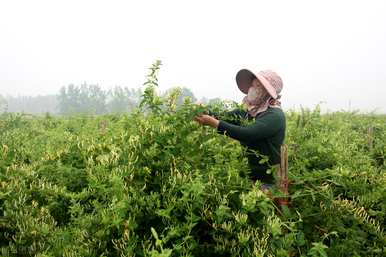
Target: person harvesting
266, 133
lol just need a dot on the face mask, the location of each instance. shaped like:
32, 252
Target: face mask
256, 95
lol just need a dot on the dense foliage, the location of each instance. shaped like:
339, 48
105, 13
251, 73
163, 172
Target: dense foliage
154, 183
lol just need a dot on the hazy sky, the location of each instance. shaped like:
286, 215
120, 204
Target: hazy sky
331, 51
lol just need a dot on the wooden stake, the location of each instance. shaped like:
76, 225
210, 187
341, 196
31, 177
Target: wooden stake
283, 175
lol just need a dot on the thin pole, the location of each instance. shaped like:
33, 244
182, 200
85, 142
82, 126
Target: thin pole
283, 175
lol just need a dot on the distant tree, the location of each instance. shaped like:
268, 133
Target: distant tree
185, 92
90, 99
32, 104
69, 100
93, 99
3, 104
135, 96
122, 99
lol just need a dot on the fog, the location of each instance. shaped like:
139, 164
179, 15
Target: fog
325, 51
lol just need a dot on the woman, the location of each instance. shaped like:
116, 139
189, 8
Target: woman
266, 134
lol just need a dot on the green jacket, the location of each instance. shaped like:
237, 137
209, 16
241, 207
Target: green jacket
266, 135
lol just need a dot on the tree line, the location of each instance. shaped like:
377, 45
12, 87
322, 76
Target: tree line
84, 99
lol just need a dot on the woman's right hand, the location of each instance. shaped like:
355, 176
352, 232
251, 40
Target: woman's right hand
207, 120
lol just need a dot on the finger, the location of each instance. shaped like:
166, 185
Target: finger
198, 119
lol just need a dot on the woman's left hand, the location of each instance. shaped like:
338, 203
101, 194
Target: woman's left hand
207, 120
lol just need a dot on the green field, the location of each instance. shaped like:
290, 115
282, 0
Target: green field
155, 183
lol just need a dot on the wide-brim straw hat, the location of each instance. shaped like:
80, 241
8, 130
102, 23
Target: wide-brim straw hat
269, 79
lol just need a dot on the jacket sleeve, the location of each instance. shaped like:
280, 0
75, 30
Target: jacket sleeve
265, 126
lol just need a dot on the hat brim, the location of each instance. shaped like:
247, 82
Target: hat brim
244, 80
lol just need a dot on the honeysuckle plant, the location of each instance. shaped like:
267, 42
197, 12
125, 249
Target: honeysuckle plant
155, 183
